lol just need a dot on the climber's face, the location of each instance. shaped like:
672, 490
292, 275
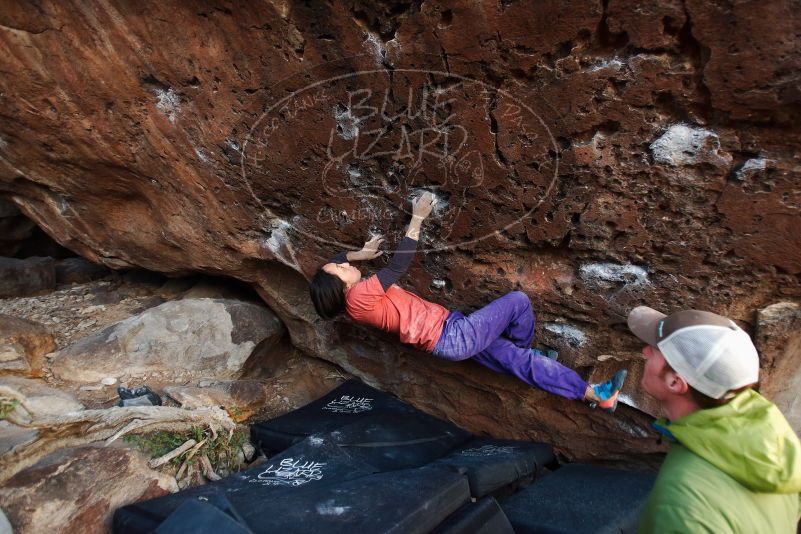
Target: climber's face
349, 274
658, 379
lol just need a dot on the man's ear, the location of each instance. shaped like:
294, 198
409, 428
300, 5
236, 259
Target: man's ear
676, 384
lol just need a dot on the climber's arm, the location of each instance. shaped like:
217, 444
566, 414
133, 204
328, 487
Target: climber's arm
390, 274
368, 252
399, 263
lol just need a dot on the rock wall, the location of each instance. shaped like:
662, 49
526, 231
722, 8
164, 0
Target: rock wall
595, 154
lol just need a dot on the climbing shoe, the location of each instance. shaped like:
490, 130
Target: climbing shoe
608, 391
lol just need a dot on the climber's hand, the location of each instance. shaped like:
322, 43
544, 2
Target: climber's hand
370, 249
422, 205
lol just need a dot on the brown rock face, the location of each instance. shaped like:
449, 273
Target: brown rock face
77, 490
596, 155
23, 345
778, 338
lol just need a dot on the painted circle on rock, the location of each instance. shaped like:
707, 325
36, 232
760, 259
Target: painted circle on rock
342, 157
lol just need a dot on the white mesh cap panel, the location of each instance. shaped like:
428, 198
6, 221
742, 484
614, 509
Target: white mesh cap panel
713, 359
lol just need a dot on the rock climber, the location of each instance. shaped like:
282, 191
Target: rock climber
498, 336
734, 463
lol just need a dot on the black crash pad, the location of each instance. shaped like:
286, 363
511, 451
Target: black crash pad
377, 443
301, 466
580, 498
195, 516
481, 517
349, 403
499, 467
408, 501
395, 440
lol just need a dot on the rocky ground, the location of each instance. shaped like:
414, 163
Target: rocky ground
70, 457
75, 310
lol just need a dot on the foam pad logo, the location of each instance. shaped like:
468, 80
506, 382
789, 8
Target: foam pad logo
348, 404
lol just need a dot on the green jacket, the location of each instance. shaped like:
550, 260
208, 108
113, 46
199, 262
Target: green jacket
735, 468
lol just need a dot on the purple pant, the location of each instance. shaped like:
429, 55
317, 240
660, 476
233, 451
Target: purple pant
499, 336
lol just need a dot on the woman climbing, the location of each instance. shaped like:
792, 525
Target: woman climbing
498, 336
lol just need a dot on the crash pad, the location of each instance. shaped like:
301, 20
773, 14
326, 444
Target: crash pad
580, 498
499, 467
481, 517
348, 403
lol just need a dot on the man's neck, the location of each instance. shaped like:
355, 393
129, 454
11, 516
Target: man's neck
680, 406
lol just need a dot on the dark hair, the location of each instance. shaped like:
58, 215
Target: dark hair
327, 294
705, 401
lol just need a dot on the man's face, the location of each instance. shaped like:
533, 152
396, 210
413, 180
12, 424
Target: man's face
344, 271
654, 378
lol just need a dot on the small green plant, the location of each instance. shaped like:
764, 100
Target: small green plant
7, 406
235, 412
160, 443
221, 451
223, 454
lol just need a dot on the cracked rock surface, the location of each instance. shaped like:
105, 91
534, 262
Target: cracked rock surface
595, 154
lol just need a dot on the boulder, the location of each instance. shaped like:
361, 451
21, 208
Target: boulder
5, 524
299, 381
176, 340
241, 398
778, 340
78, 271
13, 437
78, 489
37, 399
23, 345
31, 276
266, 138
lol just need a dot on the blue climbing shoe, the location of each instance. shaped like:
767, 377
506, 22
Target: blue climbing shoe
609, 391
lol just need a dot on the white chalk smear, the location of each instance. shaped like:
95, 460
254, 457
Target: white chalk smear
168, 103
347, 124
682, 145
625, 399
230, 143
751, 167
613, 272
573, 335
613, 63
280, 244
373, 42
631, 429
329, 508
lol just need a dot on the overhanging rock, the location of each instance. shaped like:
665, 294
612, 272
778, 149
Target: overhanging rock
254, 142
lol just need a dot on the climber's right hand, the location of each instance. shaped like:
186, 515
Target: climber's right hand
422, 205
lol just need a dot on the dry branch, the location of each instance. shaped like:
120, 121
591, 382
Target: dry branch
161, 460
208, 470
189, 457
